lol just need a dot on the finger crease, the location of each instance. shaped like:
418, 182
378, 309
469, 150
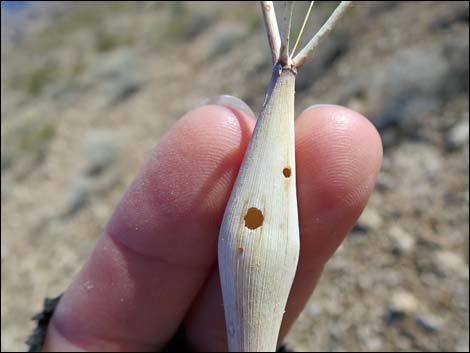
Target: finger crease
126, 248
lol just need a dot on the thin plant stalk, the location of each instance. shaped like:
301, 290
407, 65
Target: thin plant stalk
300, 59
272, 29
287, 20
302, 28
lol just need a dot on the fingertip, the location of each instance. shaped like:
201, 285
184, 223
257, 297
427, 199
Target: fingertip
161, 241
338, 158
202, 154
329, 118
339, 154
184, 185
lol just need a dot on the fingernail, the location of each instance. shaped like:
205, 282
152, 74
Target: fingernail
229, 101
321, 106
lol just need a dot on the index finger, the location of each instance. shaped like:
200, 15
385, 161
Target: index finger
156, 252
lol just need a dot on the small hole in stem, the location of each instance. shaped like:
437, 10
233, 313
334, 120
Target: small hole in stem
254, 218
287, 172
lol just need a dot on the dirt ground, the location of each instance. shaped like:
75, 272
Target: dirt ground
88, 89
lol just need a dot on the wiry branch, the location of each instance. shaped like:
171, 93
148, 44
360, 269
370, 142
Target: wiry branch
272, 29
310, 48
284, 51
302, 28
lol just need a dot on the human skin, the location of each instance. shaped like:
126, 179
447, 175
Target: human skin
154, 269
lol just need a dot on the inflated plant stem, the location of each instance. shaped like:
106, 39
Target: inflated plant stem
259, 236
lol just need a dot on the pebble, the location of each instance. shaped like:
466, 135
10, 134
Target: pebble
370, 220
78, 194
449, 262
458, 135
428, 323
403, 242
403, 302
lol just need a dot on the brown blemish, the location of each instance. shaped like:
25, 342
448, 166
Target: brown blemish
240, 251
254, 218
287, 172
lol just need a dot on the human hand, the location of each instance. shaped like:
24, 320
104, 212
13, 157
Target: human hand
154, 269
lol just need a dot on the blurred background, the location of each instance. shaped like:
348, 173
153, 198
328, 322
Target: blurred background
87, 89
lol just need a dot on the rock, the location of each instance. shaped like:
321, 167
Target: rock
428, 323
370, 220
314, 309
100, 150
457, 136
448, 262
393, 318
374, 344
402, 306
403, 242
403, 302
78, 194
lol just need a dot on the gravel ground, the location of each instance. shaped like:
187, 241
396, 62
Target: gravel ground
87, 92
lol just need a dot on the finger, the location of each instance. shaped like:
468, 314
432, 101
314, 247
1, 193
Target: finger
158, 247
338, 156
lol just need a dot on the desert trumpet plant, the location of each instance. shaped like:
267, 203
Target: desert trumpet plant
259, 236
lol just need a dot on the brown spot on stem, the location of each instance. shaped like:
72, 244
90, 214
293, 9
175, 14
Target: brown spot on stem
254, 218
287, 172
240, 251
